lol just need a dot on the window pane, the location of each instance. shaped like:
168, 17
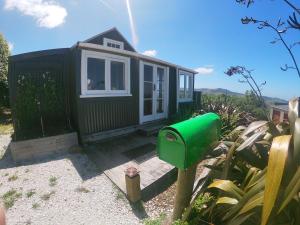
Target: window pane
147, 107
159, 106
181, 86
148, 90
117, 75
189, 86
148, 73
160, 81
95, 74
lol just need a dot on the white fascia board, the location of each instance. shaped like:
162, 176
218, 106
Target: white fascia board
129, 53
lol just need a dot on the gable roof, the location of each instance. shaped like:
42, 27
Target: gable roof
103, 34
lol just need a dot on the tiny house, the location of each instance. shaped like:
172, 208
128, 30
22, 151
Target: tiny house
106, 85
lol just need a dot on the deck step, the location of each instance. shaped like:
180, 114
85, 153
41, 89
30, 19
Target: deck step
150, 129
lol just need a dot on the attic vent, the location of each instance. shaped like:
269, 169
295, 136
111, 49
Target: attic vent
113, 43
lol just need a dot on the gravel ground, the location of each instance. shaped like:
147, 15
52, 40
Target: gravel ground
66, 189
164, 202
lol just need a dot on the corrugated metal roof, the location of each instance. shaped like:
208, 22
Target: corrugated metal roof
281, 107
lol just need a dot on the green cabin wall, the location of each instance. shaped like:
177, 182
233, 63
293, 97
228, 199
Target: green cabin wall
97, 114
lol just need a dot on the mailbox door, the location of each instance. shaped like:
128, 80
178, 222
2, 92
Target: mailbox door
171, 148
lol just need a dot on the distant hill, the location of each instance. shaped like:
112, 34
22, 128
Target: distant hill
219, 91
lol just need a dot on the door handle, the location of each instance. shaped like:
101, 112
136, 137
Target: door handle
154, 87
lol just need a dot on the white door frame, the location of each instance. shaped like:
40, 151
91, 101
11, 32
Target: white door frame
154, 116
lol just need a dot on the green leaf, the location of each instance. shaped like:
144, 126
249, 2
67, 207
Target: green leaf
240, 220
291, 190
248, 195
229, 187
277, 160
255, 201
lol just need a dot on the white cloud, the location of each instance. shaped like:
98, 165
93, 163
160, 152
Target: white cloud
10, 46
206, 70
151, 53
47, 13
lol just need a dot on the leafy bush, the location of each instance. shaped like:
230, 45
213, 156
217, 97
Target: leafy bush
258, 181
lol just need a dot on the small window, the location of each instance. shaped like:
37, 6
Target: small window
185, 86
113, 43
104, 74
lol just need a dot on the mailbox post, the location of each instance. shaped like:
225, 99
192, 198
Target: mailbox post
183, 145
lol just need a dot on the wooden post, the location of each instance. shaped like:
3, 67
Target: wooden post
133, 189
184, 191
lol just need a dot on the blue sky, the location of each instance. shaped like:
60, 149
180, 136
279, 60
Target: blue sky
205, 34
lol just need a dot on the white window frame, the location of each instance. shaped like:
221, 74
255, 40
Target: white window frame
107, 58
107, 40
185, 73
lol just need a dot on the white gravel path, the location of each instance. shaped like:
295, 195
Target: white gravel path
102, 205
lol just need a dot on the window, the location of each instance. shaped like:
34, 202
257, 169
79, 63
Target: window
185, 86
113, 43
104, 74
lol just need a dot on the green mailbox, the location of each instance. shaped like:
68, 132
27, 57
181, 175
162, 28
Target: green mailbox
183, 144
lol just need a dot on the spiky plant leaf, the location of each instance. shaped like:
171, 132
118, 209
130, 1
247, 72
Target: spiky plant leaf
240, 220
255, 201
253, 127
291, 191
246, 197
229, 187
250, 141
276, 164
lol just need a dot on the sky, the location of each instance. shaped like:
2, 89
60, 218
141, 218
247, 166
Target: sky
206, 35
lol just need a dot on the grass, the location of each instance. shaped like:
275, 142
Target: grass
52, 181
30, 193
119, 194
82, 189
10, 197
156, 221
47, 196
5, 121
13, 178
35, 205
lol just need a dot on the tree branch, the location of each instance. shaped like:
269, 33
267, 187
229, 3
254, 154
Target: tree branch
291, 5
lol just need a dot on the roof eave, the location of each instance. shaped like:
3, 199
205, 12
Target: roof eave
133, 54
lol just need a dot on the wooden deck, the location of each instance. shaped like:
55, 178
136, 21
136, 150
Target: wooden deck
114, 156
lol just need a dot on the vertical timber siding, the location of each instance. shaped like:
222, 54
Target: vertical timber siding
38, 86
106, 113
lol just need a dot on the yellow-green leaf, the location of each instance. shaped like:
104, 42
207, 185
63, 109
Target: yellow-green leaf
227, 186
227, 200
277, 159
